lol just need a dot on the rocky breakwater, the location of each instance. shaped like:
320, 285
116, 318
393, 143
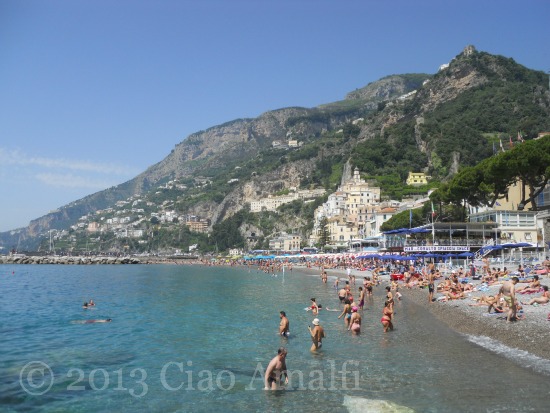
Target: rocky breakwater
68, 260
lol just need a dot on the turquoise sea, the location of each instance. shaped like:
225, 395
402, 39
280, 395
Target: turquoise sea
198, 339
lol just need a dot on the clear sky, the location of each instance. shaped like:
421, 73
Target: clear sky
94, 92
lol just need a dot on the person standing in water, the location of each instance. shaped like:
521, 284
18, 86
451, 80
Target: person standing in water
361, 298
387, 315
314, 307
355, 321
275, 370
317, 335
346, 312
284, 326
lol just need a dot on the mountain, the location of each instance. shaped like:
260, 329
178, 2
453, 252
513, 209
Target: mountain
434, 123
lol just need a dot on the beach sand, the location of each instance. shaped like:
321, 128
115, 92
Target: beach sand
530, 334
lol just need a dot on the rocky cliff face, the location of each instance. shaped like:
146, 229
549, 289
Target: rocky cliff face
285, 177
388, 87
242, 139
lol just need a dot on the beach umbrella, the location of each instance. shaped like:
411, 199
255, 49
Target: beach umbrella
431, 255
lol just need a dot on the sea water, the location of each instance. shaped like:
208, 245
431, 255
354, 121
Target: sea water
198, 339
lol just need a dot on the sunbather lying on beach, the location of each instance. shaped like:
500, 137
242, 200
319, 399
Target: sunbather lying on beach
445, 286
483, 301
454, 294
532, 287
543, 299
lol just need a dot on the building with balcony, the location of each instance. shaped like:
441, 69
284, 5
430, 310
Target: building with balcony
417, 179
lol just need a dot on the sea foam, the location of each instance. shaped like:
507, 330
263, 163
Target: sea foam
360, 404
521, 357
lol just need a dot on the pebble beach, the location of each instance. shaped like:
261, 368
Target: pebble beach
530, 334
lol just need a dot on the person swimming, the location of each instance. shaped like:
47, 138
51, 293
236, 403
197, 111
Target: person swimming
107, 320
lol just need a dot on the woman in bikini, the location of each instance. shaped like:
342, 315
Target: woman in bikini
314, 307
346, 313
386, 319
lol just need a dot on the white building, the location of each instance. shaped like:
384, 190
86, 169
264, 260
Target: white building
271, 203
350, 211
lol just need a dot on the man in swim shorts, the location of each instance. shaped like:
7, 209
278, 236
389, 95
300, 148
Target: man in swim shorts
275, 370
284, 326
508, 292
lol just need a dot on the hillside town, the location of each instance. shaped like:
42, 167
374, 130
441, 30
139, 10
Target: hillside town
351, 219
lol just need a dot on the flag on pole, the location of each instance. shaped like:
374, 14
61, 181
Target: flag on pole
433, 210
511, 143
501, 147
494, 149
520, 137
410, 217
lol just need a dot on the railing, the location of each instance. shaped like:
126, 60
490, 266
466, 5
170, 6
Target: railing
482, 252
470, 242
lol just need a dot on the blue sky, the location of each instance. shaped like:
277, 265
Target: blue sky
94, 92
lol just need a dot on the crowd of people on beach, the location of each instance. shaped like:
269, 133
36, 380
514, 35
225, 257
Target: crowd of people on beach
442, 285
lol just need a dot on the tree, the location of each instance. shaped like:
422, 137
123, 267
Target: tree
403, 220
530, 162
488, 181
324, 233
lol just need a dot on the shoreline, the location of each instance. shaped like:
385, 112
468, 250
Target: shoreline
529, 334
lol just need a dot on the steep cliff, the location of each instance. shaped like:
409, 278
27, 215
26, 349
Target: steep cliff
431, 122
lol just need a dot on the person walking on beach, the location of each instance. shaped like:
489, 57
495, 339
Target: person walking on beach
284, 326
508, 292
317, 335
431, 286
275, 370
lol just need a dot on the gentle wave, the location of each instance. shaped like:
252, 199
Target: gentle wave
360, 404
521, 357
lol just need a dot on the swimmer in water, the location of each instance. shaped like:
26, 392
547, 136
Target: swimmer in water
107, 320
